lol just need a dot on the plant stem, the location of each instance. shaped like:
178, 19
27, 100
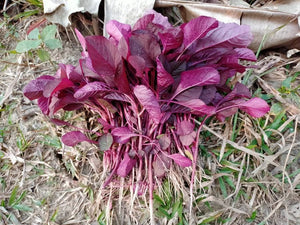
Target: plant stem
151, 188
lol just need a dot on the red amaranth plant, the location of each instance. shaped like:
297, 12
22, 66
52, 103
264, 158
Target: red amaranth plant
149, 84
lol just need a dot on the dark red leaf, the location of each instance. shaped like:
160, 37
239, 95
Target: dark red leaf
188, 139
35, 88
91, 89
164, 141
171, 39
208, 94
197, 28
118, 30
229, 35
104, 57
126, 165
164, 79
148, 100
74, 137
197, 77
145, 46
56, 85
255, 107
181, 160
245, 53
198, 107
160, 164
122, 134
184, 127
191, 93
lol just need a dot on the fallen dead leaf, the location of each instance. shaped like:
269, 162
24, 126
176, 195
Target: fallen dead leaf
278, 28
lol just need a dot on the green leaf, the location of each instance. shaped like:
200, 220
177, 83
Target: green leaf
223, 187
24, 208
229, 181
276, 108
49, 32
252, 217
13, 219
37, 3
43, 55
13, 196
26, 14
52, 141
34, 34
53, 43
26, 45
287, 82
22, 196
105, 142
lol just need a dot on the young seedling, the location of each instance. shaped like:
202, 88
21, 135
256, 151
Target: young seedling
40, 42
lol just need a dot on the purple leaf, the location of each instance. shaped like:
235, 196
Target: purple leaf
143, 22
227, 35
245, 53
56, 85
181, 160
208, 94
81, 39
191, 93
228, 108
197, 28
164, 141
164, 79
104, 57
126, 165
74, 137
222, 115
106, 126
231, 61
153, 22
160, 164
35, 88
160, 19
198, 107
148, 100
91, 89
105, 142
60, 102
184, 127
118, 30
145, 46
43, 104
117, 97
171, 39
255, 107
239, 91
188, 139
121, 79
59, 122
138, 63
74, 74
197, 77
122, 134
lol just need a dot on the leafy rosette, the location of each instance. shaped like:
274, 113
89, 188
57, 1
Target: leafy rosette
148, 84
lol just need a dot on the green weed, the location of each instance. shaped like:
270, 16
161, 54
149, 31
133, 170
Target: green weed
39, 43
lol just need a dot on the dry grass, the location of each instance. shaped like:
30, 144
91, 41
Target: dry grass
253, 178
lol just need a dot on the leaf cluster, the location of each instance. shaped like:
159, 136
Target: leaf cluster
39, 42
148, 84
